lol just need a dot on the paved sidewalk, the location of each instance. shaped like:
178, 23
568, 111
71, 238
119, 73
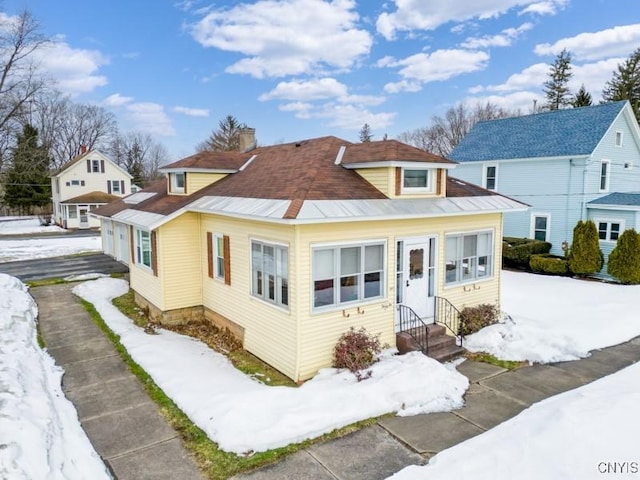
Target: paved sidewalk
495, 395
121, 421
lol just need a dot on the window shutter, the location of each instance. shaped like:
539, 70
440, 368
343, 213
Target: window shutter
88, 166
227, 260
82, 183
109, 187
210, 254
132, 245
122, 187
101, 166
68, 184
154, 254
398, 180
439, 175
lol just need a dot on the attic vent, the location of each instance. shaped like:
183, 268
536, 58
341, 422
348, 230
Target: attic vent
299, 144
628, 165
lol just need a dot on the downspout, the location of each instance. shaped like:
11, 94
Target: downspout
584, 183
567, 203
298, 306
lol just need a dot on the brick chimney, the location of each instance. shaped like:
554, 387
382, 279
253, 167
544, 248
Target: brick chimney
83, 149
247, 139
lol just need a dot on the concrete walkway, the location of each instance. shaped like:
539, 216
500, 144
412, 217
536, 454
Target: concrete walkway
495, 395
121, 421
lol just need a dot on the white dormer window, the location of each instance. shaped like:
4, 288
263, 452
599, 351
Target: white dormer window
177, 182
418, 180
618, 139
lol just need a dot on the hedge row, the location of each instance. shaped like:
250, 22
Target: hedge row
516, 252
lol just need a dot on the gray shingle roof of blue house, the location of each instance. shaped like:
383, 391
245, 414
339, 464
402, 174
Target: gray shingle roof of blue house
631, 199
558, 133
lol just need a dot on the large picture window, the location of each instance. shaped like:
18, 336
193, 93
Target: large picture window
270, 272
143, 248
348, 274
468, 257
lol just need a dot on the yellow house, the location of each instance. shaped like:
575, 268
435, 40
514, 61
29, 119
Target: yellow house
291, 245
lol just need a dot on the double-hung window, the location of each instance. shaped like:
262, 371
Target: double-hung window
605, 166
609, 231
177, 182
469, 257
270, 272
347, 274
490, 177
540, 226
219, 256
143, 248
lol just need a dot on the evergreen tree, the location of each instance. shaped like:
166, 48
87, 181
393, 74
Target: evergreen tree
365, 133
135, 164
582, 98
624, 260
226, 138
556, 89
27, 182
625, 83
585, 256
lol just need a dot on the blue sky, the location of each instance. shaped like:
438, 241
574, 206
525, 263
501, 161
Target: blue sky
297, 69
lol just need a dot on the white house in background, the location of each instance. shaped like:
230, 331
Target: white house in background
83, 184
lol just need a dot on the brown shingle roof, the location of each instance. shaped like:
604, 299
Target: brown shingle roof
212, 160
388, 151
460, 188
92, 197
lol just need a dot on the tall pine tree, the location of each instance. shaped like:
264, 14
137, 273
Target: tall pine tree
556, 89
27, 182
582, 98
365, 133
625, 83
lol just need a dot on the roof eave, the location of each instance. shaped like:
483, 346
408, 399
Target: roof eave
197, 170
396, 163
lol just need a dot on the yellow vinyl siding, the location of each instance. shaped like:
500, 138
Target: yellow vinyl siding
146, 284
270, 331
179, 262
319, 332
381, 178
197, 181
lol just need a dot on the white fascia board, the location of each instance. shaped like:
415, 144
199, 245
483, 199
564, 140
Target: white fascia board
630, 208
528, 159
407, 164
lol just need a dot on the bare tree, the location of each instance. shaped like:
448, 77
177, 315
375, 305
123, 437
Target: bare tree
139, 154
444, 133
20, 37
65, 126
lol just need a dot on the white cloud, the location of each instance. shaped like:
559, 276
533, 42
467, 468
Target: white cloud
192, 112
428, 15
286, 37
150, 117
75, 70
532, 76
436, 66
616, 41
316, 89
301, 109
352, 117
516, 101
116, 100
503, 39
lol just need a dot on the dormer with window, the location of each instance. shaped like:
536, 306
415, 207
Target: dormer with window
398, 170
177, 182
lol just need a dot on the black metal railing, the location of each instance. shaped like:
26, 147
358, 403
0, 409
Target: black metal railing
449, 316
411, 323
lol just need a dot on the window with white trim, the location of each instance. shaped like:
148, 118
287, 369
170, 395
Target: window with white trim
115, 186
218, 255
95, 166
73, 211
270, 272
177, 182
417, 180
609, 230
468, 257
346, 274
618, 139
540, 226
490, 180
143, 247
605, 165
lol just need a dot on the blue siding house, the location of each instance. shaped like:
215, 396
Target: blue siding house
569, 165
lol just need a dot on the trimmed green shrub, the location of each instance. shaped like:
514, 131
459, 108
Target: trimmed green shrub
473, 319
356, 350
551, 264
585, 256
624, 260
516, 252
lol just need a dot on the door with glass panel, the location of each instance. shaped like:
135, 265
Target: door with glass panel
416, 274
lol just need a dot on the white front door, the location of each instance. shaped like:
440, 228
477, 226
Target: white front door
418, 275
122, 234
83, 217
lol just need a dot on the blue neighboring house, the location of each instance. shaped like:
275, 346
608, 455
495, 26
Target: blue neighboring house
569, 165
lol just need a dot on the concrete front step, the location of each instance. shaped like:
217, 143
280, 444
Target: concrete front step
441, 347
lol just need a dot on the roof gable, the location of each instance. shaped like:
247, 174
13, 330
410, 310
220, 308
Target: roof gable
390, 151
90, 154
557, 133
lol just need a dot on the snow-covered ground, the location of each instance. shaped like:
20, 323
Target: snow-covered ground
586, 433
40, 435
559, 318
243, 415
29, 249
21, 225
